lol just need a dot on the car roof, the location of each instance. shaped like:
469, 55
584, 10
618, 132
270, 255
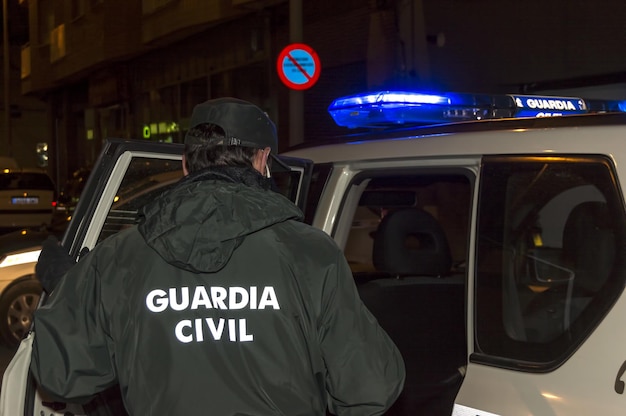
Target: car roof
589, 133
26, 170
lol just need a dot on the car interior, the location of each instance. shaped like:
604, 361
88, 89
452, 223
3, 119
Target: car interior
410, 273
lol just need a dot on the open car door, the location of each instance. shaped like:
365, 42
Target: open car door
127, 174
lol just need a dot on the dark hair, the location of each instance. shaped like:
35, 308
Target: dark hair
212, 153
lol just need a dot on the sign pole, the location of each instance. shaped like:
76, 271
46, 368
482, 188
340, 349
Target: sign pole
296, 98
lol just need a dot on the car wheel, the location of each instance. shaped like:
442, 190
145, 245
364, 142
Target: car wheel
17, 306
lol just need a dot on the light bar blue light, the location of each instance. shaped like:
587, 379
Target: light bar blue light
384, 108
387, 108
388, 97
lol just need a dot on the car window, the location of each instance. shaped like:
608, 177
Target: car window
319, 176
407, 247
145, 179
72, 189
287, 183
549, 238
291, 178
25, 180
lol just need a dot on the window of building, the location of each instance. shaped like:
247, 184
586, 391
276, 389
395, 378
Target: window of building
77, 9
46, 21
550, 232
160, 119
95, 3
25, 59
192, 93
57, 43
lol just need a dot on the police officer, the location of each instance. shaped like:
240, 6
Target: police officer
221, 301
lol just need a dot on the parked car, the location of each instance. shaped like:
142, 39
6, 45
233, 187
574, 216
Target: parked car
490, 251
27, 198
19, 289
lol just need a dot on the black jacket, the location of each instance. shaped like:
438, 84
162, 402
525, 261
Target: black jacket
220, 302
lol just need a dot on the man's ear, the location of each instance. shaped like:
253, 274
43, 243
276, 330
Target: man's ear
266, 154
184, 162
260, 160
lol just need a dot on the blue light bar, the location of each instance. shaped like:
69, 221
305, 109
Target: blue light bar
388, 108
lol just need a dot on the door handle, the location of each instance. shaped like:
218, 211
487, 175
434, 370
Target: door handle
619, 384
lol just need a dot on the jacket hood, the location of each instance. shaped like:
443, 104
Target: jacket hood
199, 223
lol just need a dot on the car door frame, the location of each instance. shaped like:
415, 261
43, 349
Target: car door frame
98, 194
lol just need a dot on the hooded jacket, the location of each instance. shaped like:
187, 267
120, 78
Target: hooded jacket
221, 302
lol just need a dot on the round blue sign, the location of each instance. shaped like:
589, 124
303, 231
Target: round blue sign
298, 66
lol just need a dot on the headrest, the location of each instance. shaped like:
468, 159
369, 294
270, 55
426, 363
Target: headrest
589, 244
411, 242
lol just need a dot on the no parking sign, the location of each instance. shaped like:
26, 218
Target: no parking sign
298, 66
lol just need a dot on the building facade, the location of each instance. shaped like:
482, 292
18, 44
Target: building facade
114, 68
135, 69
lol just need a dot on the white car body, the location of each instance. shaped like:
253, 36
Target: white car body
19, 292
503, 193
584, 383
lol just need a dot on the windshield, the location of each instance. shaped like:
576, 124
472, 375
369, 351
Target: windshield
18, 180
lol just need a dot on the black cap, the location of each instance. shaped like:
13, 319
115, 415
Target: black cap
244, 123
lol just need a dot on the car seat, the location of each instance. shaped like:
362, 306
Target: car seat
588, 250
421, 306
411, 242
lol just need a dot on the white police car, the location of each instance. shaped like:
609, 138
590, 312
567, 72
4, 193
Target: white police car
490, 250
